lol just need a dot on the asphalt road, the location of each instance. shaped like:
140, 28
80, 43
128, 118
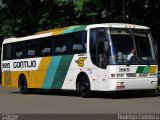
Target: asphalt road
69, 102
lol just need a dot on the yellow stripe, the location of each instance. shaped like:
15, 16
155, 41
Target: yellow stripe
153, 69
34, 78
43, 70
37, 77
56, 31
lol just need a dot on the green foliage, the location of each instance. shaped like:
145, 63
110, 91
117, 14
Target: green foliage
25, 17
6, 29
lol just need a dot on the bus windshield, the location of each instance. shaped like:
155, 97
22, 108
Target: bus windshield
131, 47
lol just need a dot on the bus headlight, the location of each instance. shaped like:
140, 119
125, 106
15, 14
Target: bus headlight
113, 75
120, 75
117, 75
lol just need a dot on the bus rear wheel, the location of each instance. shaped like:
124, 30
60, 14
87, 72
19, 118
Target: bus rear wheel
23, 85
84, 87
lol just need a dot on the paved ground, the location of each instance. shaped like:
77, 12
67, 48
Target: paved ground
11, 101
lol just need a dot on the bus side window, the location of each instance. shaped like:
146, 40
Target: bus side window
93, 42
30, 48
19, 54
84, 41
18, 50
44, 45
46, 51
7, 51
77, 48
58, 43
99, 47
78, 42
31, 52
65, 45
102, 48
64, 49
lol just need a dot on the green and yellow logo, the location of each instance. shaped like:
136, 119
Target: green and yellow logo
80, 61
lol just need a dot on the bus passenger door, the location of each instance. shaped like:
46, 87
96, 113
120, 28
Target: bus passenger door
99, 55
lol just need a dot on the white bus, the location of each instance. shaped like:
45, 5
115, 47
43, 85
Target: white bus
85, 58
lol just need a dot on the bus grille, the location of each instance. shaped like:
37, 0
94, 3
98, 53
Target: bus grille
7, 78
131, 74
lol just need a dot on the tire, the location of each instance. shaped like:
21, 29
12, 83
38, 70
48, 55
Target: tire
23, 85
84, 87
155, 93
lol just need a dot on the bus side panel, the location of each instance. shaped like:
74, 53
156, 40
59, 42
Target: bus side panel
37, 77
6, 81
57, 71
10, 78
62, 71
81, 63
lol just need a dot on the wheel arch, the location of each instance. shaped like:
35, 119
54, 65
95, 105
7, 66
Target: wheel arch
20, 76
78, 79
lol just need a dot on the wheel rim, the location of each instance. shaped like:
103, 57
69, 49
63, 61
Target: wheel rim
84, 87
23, 86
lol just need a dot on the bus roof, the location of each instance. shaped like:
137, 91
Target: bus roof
65, 30
71, 29
118, 25
84, 27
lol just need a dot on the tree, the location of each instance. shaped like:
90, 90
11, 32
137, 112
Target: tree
25, 17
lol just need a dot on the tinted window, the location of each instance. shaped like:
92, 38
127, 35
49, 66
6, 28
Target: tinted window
122, 44
93, 42
55, 45
7, 51
18, 50
30, 48
99, 47
145, 52
78, 42
44, 46
70, 43
61, 44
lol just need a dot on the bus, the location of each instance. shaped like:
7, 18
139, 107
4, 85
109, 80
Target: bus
85, 58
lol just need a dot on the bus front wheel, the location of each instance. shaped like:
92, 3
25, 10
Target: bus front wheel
84, 87
23, 85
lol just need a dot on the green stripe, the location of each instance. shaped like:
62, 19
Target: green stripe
61, 72
143, 69
146, 69
140, 69
75, 29
50, 74
81, 28
70, 29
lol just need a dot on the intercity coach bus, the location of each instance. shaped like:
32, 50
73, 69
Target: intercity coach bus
85, 58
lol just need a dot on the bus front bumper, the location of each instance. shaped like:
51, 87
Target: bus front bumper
132, 84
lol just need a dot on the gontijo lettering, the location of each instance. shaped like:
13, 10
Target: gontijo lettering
20, 64
24, 64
